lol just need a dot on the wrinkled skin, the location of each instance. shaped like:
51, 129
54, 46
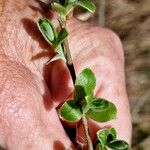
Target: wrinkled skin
30, 90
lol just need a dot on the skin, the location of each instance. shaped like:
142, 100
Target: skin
30, 91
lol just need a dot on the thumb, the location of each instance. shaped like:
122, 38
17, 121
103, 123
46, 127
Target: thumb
61, 86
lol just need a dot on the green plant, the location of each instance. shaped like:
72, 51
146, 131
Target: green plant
84, 104
107, 139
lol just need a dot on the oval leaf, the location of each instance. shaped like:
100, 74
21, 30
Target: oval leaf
87, 5
106, 135
58, 8
85, 84
61, 36
118, 145
70, 111
48, 30
102, 110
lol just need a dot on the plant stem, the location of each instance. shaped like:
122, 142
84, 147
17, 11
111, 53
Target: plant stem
70, 66
66, 49
69, 61
85, 124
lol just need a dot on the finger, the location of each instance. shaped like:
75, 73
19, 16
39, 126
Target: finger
102, 51
60, 84
28, 119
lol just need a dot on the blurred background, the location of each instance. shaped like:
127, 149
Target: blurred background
130, 19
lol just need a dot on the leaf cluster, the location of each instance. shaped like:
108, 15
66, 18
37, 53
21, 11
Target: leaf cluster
50, 33
107, 139
53, 37
65, 7
84, 102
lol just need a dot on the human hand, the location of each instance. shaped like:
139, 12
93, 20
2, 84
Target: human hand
28, 118
101, 50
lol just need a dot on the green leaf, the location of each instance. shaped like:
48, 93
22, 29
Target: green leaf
79, 93
65, 6
106, 135
87, 5
70, 111
89, 99
102, 110
48, 30
85, 107
85, 103
107, 138
112, 134
71, 1
66, 2
118, 145
61, 36
84, 84
99, 147
60, 51
59, 8
70, 8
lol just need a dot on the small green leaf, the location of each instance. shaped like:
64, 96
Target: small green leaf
84, 84
107, 138
71, 1
102, 137
99, 147
102, 110
112, 134
59, 8
60, 51
87, 5
118, 145
85, 103
48, 30
79, 93
106, 135
71, 4
89, 99
85, 107
70, 111
70, 8
65, 3
61, 36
